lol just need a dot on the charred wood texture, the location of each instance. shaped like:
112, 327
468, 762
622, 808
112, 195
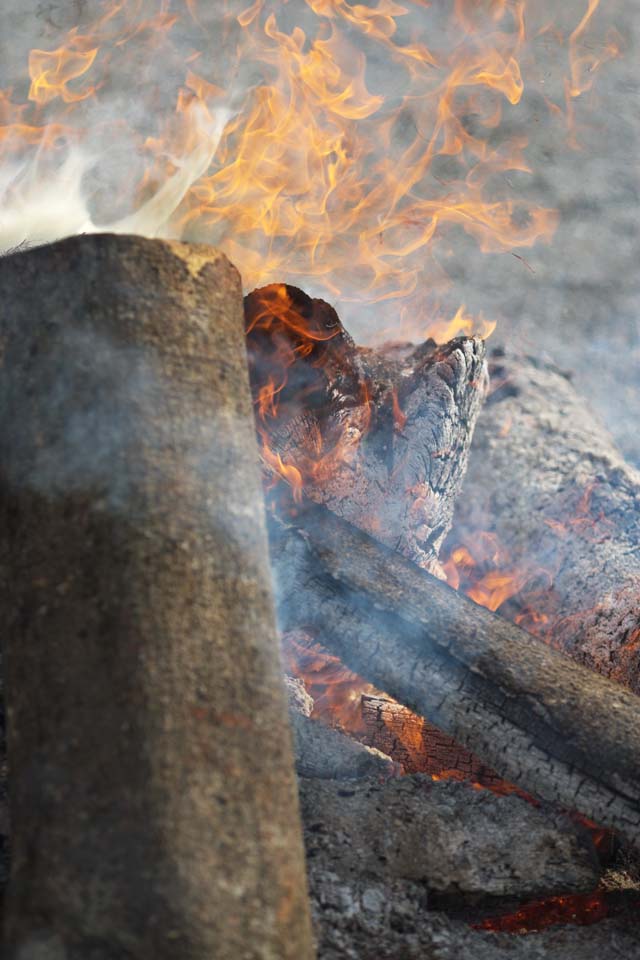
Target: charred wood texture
152, 790
449, 838
328, 754
545, 476
418, 745
551, 726
380, 437
325, 752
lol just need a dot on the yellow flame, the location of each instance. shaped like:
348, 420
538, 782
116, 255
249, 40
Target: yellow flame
326, 173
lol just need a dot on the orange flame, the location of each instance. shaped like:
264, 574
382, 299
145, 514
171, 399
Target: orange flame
326, 171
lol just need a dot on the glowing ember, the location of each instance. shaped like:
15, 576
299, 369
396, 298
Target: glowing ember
582, 909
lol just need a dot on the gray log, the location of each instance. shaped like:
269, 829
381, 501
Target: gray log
551, 726
152, 787
546, 477
454, 840
321, 751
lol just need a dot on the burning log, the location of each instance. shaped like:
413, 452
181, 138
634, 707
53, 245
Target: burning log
455, 841
328, 754
321, 751
152, 791
418, 745
546, 478
554, 728
380, 437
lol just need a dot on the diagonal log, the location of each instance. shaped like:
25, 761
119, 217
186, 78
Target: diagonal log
555, 728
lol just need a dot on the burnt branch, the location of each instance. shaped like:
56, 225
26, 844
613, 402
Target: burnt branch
551, 726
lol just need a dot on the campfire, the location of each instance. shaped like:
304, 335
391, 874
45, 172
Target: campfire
452, 535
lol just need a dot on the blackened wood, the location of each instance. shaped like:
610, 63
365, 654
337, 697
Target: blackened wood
546, 478
418, 745
153, 800
381, 437
328, 754
544, 723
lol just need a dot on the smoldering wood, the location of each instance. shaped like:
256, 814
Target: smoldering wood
451, 838
546, 477
374, 922
323, 752
152, 791
381, 437
419, 746
558, 730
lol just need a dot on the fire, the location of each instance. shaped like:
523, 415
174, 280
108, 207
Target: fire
579, 908
307, 143
52, 71
485, 572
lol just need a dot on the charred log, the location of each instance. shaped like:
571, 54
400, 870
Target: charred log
551, 726
453, 840
419, 746
546, 478
380, 437
327, 753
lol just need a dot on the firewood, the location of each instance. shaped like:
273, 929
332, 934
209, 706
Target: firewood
546, 478
419, 746
541, 721
327, 754
380, 437
152, 791
458, 842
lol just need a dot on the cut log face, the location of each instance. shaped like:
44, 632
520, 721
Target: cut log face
546, 478
380, 437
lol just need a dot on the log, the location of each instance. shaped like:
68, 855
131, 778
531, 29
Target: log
457, 842
152, 790
418, 745
380, 437
328, 753
324, 753
556, 729
546, 478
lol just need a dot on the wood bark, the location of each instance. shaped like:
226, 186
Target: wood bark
551, 726
152, 790
546, 478
380, 437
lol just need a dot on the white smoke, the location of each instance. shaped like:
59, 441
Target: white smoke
36, 209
